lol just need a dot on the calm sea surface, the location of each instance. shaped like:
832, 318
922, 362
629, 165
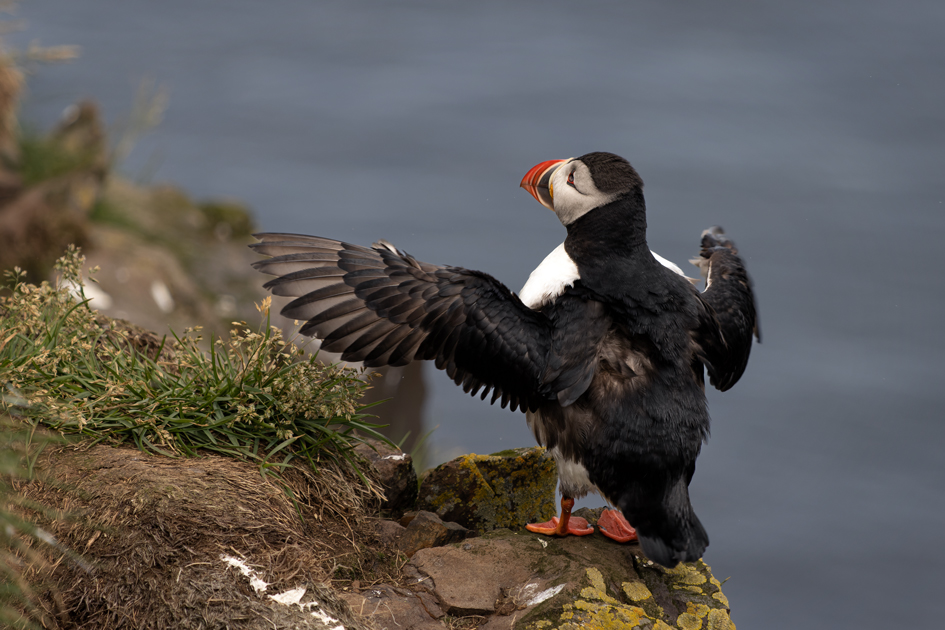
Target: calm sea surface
813, 132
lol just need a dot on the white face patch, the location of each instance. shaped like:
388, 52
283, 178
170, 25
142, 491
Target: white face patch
574, 192
550, 279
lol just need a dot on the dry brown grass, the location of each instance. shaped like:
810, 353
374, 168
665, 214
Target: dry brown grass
153, 530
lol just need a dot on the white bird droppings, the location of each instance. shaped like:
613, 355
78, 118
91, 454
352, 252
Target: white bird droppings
258, 585
545, 595
287, 598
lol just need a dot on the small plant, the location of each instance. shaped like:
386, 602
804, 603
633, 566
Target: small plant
253, 396
43, 158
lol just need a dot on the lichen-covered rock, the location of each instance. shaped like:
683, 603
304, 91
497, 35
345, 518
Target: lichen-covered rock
700, 606
521, 580
486, 492
689, 594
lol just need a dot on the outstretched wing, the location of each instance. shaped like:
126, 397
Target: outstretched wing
731, 318
381, 306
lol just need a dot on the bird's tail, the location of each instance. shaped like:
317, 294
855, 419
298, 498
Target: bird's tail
670, 532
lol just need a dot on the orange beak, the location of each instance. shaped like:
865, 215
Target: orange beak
537, 182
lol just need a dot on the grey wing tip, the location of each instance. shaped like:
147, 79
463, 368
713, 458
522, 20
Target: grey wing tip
385, 244
254, 246
270, 236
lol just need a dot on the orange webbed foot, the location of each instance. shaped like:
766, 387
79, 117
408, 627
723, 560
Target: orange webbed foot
567, 524
575, 526
613, 525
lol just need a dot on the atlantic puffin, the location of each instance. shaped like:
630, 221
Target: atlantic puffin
605, 349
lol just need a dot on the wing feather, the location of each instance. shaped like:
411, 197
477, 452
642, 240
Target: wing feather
730, 317
381, 306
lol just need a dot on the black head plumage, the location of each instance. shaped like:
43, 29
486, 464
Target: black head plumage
611, 173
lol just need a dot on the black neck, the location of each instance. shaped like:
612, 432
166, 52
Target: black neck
617, 229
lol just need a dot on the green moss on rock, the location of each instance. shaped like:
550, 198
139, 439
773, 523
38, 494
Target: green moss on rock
487, 492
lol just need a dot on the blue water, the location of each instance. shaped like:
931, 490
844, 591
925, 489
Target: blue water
813, 132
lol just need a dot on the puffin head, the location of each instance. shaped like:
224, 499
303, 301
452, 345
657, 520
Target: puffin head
573, 187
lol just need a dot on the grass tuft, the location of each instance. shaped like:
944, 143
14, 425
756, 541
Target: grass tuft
253, 395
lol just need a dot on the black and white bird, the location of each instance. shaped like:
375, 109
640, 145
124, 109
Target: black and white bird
605, 349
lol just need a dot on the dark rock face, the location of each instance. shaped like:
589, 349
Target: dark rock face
425, 529
486, 492
395, 472
420, 530
388, 532
390, 607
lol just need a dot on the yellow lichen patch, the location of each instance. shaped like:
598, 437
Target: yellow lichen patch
636, 591
686, 587
720, 596
688, 574
596, 578
604, 617
687, 621
692, 618
719, 620
661, 625
568, 613
597, 589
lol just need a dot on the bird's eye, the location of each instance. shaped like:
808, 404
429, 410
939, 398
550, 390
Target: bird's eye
571, 179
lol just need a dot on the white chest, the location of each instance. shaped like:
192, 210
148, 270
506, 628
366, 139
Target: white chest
557, 272
550, 279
